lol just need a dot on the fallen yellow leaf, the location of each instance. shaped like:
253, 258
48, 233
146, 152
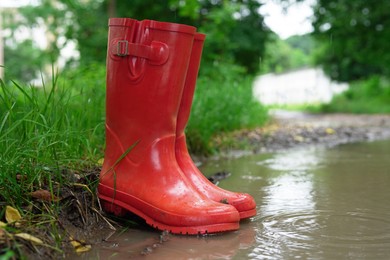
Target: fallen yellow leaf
2, 224
82, 249
12, 214
79, 246
29, 237
100, 161
75, 243
299, 138
330, 131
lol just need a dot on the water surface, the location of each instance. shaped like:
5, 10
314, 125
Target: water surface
312, 204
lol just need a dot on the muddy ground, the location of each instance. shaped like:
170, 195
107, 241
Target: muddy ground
81, 223
296, 129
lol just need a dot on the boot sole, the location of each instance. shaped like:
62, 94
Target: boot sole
247, 214
120, 209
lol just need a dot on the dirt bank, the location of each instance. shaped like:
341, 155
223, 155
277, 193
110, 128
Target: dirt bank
296, 129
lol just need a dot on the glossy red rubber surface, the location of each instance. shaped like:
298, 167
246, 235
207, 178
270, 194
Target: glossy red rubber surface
244, 203
144, 88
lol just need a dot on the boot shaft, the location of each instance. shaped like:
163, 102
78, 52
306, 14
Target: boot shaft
190, 84
147, 63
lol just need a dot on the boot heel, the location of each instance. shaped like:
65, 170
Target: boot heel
110, 207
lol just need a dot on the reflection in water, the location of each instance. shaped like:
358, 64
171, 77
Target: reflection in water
284, 214
326, 204
142, 244
312, 204
292, 189
300, 160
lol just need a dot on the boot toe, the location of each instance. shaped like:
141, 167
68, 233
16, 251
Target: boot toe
245, 205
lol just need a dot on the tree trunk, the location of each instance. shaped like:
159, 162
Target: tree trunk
111, 8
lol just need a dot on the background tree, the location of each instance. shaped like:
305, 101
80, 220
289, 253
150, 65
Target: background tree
283, 55
235, 30
24, 59
305, 43
354, 38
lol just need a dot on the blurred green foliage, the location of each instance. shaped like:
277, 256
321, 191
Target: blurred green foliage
354, 38
370, 95
24, 60
351, 36
284, 55
235, 30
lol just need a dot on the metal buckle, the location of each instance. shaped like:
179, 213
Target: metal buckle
121, 50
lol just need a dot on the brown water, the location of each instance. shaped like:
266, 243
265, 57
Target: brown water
312, 204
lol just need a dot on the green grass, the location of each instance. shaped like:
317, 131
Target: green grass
370, 96
44, 130
310, 107
48, 131
223, 102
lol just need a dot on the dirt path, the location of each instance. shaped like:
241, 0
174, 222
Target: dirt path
294, 129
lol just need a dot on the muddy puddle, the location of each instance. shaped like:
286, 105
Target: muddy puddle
312, 204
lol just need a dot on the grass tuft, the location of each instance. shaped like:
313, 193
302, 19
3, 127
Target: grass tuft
47, 134
369, 96
44, 130
223, 102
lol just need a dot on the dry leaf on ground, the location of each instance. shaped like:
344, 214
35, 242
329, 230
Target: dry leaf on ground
12, 214
100, 161
79, 246
44, 195
30, 238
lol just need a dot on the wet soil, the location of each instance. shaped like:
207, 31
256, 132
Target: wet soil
296, 129
66, 218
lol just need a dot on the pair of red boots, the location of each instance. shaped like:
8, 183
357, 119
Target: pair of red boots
151, 75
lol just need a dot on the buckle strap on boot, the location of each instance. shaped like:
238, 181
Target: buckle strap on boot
156, 53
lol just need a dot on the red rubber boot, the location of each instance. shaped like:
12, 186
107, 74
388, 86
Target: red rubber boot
147, 63
243, 202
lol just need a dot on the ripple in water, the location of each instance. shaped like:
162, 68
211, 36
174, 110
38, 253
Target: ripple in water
319, 233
